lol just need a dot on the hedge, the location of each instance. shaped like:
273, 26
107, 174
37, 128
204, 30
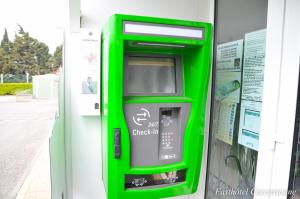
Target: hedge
14, 88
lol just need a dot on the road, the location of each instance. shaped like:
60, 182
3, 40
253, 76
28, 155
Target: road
24, 128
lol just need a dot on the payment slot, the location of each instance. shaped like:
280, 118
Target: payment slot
155, 76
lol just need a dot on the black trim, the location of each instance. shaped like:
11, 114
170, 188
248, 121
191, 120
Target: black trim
295, 143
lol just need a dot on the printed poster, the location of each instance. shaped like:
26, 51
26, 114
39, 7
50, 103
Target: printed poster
229, 56
226, 117
252, 88
228, 85
254, 64
250, 124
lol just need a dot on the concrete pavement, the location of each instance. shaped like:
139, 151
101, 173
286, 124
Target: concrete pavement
38, 184
24, 128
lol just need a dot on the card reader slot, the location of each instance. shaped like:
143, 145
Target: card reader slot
117, 143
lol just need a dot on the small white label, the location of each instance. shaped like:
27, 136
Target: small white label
168, 157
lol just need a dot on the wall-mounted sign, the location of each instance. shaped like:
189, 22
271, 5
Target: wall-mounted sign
89, 81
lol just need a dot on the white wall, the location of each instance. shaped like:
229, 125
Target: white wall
83, 136
96, 12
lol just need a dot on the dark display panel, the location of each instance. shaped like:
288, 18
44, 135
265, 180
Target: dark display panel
149, 75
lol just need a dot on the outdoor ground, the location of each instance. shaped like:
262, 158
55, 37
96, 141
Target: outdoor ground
25, 128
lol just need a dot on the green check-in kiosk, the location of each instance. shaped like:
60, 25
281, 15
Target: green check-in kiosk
155, 75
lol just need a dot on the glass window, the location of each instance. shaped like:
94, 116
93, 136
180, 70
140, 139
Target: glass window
150, 75
239, 52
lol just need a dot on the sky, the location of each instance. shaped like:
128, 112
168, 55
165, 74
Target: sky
43, 19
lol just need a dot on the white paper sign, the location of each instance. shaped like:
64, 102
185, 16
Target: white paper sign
228, 86
252, 88
250, 124
226, 117
227, 93
254, 63
229, 56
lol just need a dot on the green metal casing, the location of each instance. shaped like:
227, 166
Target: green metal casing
196, 62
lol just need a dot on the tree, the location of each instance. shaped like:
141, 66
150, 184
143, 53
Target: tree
58, 56
5, 50
1, 60
5, 43
41, 52
28, 55
55, 61
22, 56
21, 29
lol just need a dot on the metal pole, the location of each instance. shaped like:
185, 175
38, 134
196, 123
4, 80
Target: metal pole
1, 78
27, 77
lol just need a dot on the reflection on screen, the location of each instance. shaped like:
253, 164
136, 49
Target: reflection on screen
150, 75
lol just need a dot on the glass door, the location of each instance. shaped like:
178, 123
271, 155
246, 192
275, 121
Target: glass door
238, 78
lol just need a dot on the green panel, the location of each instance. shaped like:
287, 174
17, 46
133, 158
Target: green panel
57, 147
57, 158
196, 61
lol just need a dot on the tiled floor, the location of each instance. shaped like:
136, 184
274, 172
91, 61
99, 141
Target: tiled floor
37, 185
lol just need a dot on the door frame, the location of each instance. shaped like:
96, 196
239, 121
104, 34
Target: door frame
280, 97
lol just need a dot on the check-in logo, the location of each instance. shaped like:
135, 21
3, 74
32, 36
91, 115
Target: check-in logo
141, 116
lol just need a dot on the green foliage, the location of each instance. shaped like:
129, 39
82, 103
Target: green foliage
1, 59
14, 88
5, 50
5, 42
58, 55
55, 61
27, 55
